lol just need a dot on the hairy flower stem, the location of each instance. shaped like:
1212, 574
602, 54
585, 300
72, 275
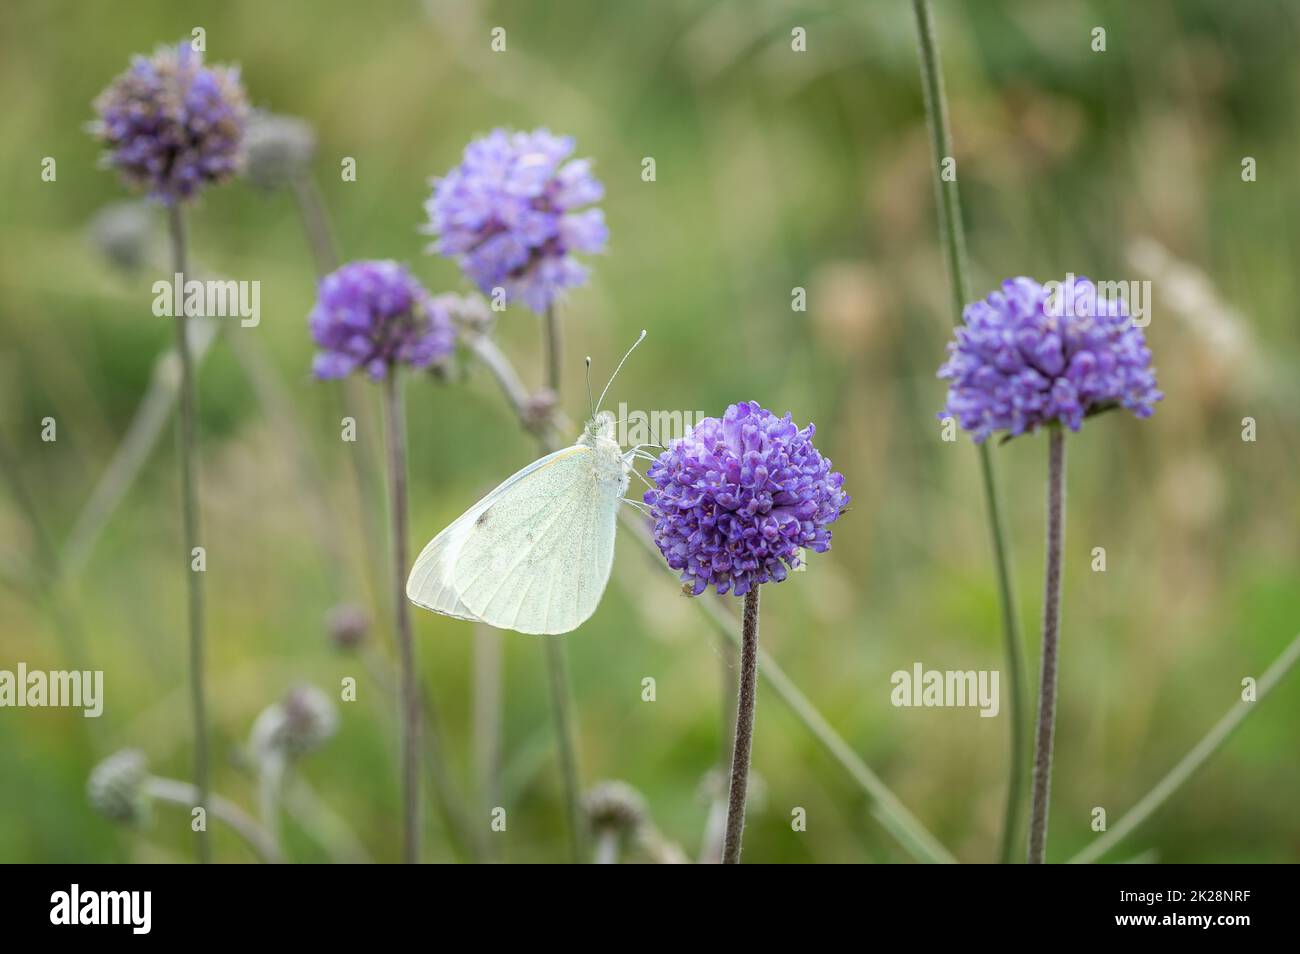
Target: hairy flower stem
187, 430
1051, 634
557, 663
551, 329
744, 735
949, 200
409, 695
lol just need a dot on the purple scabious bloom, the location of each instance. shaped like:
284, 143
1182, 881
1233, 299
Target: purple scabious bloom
511, 215
1031, 355
172, 125
373, 315
738, 498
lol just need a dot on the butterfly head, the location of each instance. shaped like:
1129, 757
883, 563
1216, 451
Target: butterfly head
600, 426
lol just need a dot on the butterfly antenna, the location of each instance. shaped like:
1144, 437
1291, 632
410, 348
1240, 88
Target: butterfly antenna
589, 402
618, 369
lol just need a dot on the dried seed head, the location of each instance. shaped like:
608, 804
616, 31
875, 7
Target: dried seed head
116, 788
279, 148
616, 807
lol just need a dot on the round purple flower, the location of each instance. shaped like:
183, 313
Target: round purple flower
172, 125
1031, 355
372, 315
511, 215
737, 499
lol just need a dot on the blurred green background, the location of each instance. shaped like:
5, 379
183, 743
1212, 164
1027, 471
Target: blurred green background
775, 169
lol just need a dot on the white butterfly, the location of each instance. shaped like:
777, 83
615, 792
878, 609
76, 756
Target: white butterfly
534, 555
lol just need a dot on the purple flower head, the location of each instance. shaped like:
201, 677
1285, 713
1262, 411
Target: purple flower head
1030, 355
372, 315
737, 499
511, 215
172, 125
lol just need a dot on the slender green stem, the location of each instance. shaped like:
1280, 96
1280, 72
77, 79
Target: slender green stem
950, 226
1193, 760
556, 654
557, 667
408, 694
315, 223
743, 738
487, 720
188, 439
270, 782
551, 330
353, 397
1051, 640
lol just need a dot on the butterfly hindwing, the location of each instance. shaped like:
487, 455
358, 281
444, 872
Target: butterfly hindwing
532, 563
431, 582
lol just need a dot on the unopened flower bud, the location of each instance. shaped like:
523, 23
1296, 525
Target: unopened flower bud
348, 626
304, 720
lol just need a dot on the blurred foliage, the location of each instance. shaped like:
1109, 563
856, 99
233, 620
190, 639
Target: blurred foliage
775, 169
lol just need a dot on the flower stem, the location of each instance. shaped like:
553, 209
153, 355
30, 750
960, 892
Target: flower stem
606, 848
408, 694
315, 223
188, 438
551, 329
270, 782
556, 657
744, 735
354, 399
253, 834
487, 720
557, 666
1193, 760
950, 226
1051, 634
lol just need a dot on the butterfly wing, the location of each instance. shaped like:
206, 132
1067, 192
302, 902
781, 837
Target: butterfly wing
431, 583
540, 554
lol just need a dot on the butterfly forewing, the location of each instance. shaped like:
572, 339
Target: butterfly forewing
431, 583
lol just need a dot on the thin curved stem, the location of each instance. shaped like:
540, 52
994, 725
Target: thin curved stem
188, 438
1051, 639
409, 694
1193, 760
950, 227
744, 735
227, 812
